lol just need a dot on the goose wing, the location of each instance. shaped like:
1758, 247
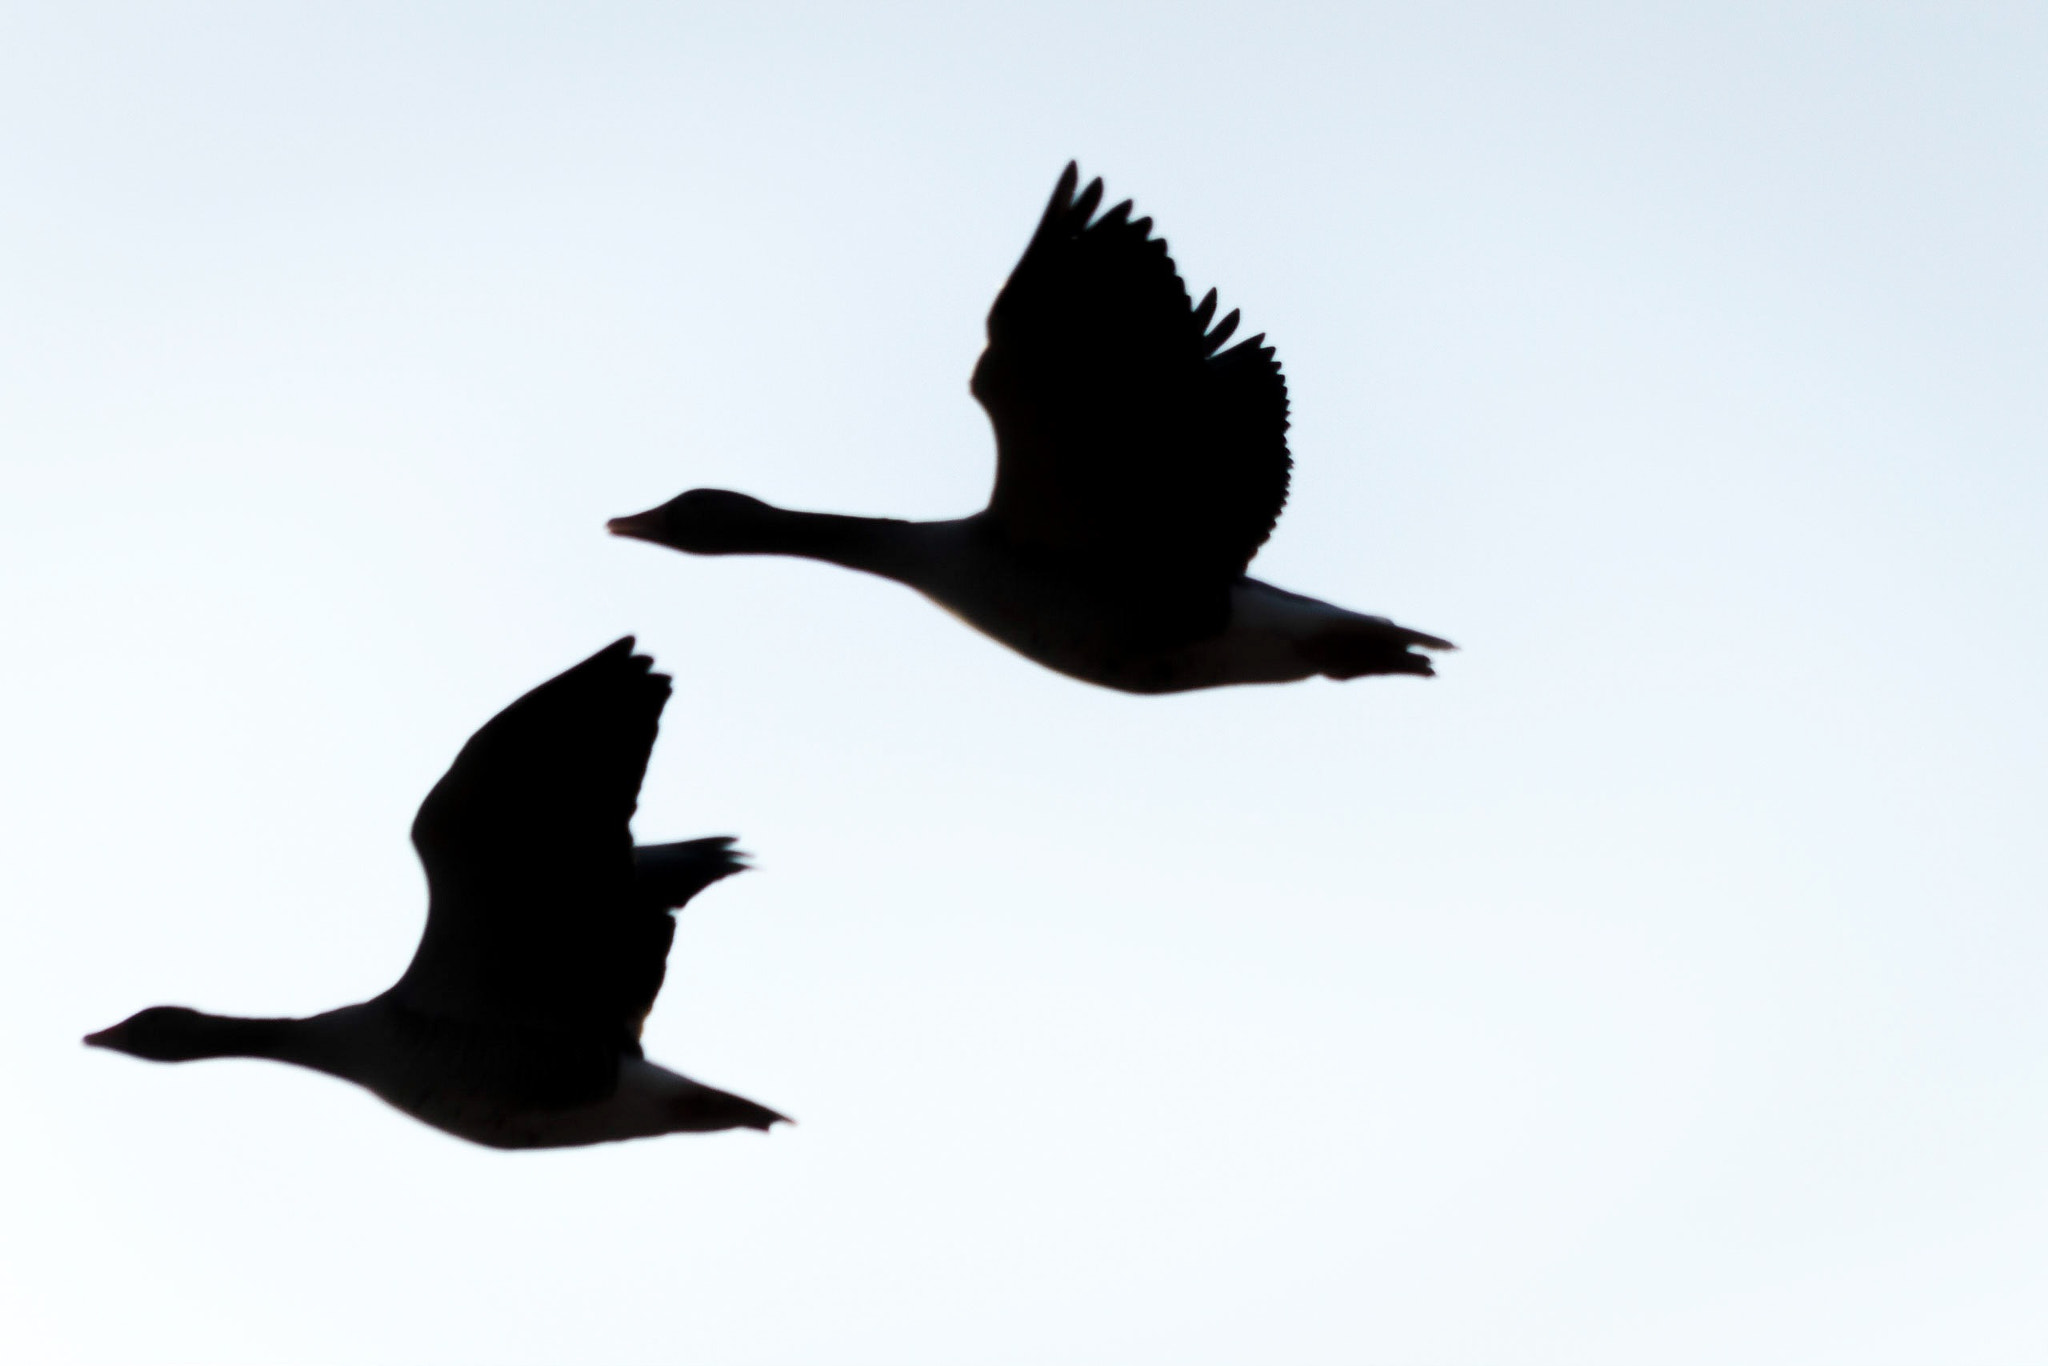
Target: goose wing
1128, 443
537, 922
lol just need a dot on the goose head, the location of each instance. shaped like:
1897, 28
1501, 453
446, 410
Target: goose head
703, 522
161, 1034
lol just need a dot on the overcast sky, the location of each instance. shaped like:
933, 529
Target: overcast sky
1659, 984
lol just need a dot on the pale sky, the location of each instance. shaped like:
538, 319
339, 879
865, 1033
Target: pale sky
1661, 984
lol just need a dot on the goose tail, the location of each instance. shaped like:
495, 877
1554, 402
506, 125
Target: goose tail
1364, 646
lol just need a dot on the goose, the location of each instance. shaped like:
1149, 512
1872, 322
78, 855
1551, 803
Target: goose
1139, 467
517, 1024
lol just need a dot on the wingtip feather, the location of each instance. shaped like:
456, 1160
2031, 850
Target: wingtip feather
1222, 332
1062, 200
1090, 200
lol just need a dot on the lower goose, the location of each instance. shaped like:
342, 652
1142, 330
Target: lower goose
518, 1023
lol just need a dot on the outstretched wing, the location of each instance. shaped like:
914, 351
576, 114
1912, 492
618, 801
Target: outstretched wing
536, 920
1127, 443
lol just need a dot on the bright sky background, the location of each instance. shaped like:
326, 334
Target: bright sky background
1661, 984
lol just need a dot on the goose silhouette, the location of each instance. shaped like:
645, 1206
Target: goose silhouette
1139, 467
518, 1023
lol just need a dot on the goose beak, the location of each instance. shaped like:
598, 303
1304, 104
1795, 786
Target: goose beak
641, 526
103, 1039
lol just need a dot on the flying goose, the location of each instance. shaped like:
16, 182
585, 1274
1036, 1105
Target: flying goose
1139, 467
518, 1023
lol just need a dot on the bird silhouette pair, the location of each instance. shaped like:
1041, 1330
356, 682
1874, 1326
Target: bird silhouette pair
1139, 467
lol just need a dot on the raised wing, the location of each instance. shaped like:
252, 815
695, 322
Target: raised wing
1127, 443
536, 921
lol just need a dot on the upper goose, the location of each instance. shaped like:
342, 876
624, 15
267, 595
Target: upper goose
1138, 470
518, 1023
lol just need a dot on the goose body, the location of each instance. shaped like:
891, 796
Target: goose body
1139, 468
518, 1023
